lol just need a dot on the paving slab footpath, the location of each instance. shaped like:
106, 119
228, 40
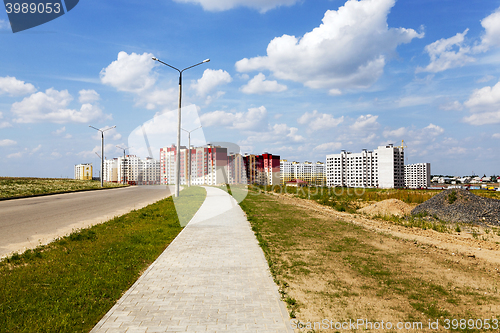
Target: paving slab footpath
212, 278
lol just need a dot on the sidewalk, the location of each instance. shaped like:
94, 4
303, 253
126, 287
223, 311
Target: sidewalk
212, 278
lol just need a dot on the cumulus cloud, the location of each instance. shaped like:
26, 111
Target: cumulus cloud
52, 106
88, 96
7, 142
319, 121
365, 123
443, 54
491, 37
496, 136
61, 131
210, 80
130, 72
484, 103
254, 119
259, 85
278, 134
397, 133
348, 50
221, 5
14, 87
328, 147
454, 52
37, 148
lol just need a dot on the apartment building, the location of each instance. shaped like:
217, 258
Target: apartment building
83, 171
311, 173
382, 167
208, 165
262, 169
132, 170
418, 175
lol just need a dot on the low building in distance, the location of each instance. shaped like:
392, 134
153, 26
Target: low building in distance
307, 172
83, 171
418, 175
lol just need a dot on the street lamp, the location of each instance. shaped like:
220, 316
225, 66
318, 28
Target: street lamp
123, 168
178, 160
102, 150
189, 157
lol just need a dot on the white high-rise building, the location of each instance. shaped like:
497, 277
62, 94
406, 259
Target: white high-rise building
418, 175
132, 170
312, 173
383, 167
83, 171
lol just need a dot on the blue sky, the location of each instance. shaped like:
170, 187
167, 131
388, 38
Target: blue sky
298, 78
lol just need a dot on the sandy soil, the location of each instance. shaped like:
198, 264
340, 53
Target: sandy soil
486, 246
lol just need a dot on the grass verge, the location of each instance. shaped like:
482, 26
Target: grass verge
330, 269
11, 187
68, 285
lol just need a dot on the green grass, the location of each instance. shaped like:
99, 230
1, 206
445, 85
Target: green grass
68, 285
16, 187
188, 203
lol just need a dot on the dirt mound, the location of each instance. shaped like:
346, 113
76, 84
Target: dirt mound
387, 207
457, 205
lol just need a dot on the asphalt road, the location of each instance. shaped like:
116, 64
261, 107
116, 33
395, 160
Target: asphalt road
27, 223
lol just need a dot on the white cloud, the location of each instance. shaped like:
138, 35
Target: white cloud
88, 96
254, 119
56, 154
433, 130
496, 136
4, 25
328, 147
59, 131
278, 134
211, 79
130, 72
14, 87
451, 106
15, 155
485, 78
7, 142
398, 133
220, 5
319, 121
5, 124
444, 56
454, 52
484, 103
52, 106
259, 85
491, 25
348, 50
37, 148
365, 123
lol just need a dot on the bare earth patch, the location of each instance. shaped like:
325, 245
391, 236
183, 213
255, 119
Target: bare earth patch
339, 266
387, 207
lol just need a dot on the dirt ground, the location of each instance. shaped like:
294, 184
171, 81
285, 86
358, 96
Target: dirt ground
459, 273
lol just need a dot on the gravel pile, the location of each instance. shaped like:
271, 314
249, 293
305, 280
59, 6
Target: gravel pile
458, 205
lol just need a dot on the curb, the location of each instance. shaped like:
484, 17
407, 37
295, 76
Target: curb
62, 192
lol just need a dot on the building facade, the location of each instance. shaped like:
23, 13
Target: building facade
262, 169
418, 175
383, 167
311, 173
83, 171
209, 165
132, 170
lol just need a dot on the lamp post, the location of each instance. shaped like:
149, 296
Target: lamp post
102, 150
178, 160
189, 154
123, 169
